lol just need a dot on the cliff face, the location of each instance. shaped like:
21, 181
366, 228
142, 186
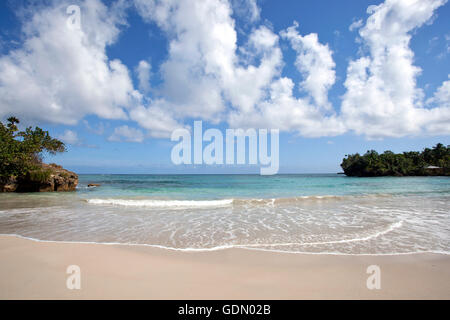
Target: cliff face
50, 177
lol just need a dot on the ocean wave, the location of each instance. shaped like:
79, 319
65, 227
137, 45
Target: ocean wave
301, 199
162, 203
157, 203
252, 247
374, 235
275, 201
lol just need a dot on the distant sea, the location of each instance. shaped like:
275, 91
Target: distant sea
321, 213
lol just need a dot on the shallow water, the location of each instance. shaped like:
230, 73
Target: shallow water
292, 213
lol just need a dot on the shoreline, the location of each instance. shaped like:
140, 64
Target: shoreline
33, 269
220, 248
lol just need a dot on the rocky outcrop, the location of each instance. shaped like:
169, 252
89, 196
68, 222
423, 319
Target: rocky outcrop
93, 185
48, 178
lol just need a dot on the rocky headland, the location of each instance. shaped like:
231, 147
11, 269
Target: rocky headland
47, 178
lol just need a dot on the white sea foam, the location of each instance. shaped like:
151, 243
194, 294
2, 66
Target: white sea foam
162, 203
349, 224
225, 247
390, 228
208, 203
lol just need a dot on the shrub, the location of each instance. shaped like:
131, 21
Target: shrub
21, 151
403, 164
39, 175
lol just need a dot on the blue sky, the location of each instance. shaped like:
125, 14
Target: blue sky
116, 87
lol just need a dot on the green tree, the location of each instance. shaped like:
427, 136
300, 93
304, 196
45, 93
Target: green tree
22, 151
405, 164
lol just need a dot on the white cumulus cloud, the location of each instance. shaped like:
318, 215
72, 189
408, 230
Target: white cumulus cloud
126, 133
69, 137
382, 98
442, 95
143, 73
356, 25
315, 62
61, 74
203, 72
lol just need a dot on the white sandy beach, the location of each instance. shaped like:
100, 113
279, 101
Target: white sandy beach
37, 270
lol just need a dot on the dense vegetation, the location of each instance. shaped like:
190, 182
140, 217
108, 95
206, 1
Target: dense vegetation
21, 151
412, 163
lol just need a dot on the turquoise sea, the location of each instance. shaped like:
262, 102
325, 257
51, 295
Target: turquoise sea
324, 213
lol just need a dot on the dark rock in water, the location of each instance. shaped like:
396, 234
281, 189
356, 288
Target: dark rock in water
48, 178
94, 185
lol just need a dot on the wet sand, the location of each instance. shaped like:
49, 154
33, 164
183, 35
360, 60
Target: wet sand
37, 270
